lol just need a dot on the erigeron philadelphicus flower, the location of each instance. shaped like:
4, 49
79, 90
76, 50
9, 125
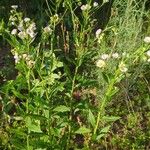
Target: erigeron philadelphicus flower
16, 57
100, 63
22, 35
26, 19
24, 56
148, 60
104, 56
20, 26
147, 39
14, 32
95, 4
98, 32
115, 55
30, 32
85, 7
123, 67
30, 63
47, 29
14, 6
148, 53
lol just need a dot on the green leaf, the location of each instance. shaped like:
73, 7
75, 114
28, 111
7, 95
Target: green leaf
105, 77
100, 136
83, 130
91, 118
67, 71
105, 129
33, 125
110, 118
18, 94
61, 108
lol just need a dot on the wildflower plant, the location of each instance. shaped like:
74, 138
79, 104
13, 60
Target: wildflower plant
60, 94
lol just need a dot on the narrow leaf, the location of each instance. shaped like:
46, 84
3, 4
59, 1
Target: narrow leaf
62, 108
110, 118
105, 129
83, 130
91, 118
100, 136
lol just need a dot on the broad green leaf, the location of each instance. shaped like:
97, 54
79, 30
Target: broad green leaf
110, 118
33, 125
105, 129
61, 108
18, 132
83, 130
91, 118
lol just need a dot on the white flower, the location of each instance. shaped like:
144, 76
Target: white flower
47, 29
30, 30
32, 34
147, 39
24, 56
16, 57
100, 63
123, 67
14, 6
20, 26
95, 4
85, 7
148, 60
98, 32
12, 23
26, 19
32, 26
30, 63
22, 34
14, 32
115, 55
148, 53
104, 56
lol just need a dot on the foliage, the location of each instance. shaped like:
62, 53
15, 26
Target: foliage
76, 88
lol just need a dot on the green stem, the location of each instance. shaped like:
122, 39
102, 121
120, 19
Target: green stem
27, 107
104, 100
71, 109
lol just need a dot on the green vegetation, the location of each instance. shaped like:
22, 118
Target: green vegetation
69, 81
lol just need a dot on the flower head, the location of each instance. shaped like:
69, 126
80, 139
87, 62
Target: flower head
115, 55
26, 19
95, 4
47, 29
147, 39
14, 32
98, 32
100, 63
123, 67
148, 53
16, 57
85, 7
104, 56
22, 34
14, 6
